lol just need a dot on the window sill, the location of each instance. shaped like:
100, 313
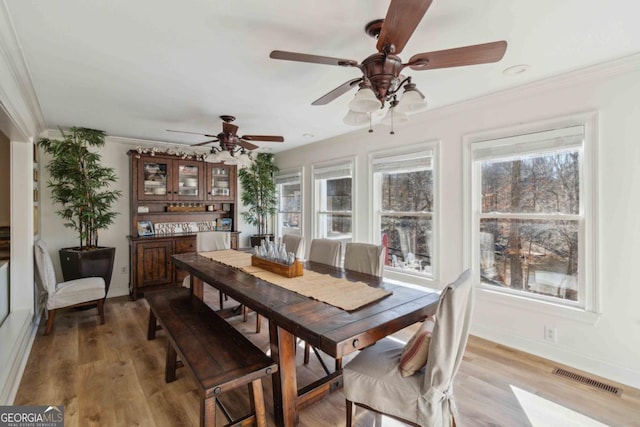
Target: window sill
544, 307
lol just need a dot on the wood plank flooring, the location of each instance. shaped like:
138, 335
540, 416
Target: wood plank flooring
110, 375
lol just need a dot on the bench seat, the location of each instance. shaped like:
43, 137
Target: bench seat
219, 356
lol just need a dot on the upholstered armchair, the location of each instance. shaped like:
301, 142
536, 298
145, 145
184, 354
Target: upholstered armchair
73, 293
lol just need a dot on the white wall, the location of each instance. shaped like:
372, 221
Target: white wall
5, 163
606, 344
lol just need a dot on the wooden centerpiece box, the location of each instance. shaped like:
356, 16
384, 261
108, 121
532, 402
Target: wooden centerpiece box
293, 270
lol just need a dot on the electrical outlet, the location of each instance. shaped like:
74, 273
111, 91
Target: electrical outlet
550, 333
124, 270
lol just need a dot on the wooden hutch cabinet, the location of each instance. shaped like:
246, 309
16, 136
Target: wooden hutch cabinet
179, 197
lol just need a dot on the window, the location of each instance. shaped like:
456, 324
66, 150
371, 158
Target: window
532, 215
404, 206
289, 188
333, 189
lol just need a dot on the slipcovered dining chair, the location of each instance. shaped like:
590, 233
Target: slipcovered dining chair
365, 258
294, 244
325, 251
73, 293
207, 241
376, 380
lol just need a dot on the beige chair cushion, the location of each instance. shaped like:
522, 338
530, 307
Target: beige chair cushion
415, 352
365, 258
76, 291
325, 251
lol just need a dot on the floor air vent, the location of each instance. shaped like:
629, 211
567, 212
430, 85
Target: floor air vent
587, 381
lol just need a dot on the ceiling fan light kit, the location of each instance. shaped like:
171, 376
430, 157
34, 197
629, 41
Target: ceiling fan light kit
381, 79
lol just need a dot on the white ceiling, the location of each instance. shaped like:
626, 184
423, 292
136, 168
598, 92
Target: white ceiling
135, 68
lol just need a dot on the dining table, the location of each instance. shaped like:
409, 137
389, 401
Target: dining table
335, 331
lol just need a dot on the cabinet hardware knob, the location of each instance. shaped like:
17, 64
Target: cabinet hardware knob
355, 343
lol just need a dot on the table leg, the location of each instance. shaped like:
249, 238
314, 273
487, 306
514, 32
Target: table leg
285, 385
197, 287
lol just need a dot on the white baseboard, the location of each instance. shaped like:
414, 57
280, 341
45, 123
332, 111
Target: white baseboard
602, 368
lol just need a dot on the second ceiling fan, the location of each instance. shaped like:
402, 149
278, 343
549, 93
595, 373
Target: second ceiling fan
229, 140
381, 70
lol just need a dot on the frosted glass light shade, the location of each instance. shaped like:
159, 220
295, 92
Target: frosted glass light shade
411, 100
226, 157
244, 160
365, 101
355, 119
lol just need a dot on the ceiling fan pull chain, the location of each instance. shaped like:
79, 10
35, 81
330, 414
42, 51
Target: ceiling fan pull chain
370, 124
391, 111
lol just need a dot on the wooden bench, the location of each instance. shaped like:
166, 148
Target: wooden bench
219, 356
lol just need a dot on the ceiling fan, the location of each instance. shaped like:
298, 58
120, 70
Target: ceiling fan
381, 79
228, 139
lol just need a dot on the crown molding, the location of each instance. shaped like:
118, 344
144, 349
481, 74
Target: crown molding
580, 76
17, 92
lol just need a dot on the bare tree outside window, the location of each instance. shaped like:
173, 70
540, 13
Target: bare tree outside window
529, 226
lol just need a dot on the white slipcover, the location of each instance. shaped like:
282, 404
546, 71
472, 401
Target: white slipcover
325, 251
365, 258
373, 377
64, 294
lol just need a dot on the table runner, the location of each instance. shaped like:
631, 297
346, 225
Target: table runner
336, 291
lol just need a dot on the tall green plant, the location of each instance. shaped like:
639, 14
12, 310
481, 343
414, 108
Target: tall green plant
259, 191
77, 182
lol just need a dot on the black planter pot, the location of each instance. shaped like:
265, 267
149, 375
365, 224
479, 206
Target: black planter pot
257, 238
77, 264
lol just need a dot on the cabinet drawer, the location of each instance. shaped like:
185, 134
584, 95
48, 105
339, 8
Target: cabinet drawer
185, 245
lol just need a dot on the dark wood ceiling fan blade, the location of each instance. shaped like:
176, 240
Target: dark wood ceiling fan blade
468, 55
314, 59
340, 90
269, 138
204, 143
229, 128
183, 131
247, 145
403, 16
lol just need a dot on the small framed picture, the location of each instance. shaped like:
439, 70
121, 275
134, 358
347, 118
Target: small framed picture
145, 228
224, 224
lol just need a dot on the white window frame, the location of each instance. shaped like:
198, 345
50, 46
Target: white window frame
588, 308
284, 178
338, 168
411, 157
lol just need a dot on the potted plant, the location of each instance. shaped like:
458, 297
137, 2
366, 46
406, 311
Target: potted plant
259, 195
78, 182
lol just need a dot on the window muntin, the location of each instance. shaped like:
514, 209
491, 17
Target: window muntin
531, 215
404, 202
289, 188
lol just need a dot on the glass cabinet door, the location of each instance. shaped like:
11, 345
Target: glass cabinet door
154, 180
219, 182
188, 180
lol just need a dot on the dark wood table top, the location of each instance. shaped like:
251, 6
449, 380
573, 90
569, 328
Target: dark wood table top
333, 330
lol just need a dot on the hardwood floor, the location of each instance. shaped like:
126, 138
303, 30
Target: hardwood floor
110, 375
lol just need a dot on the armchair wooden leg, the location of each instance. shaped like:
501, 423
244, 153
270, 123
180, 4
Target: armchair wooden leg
101, 310
258, 323
52, 315
221, 300
350, 410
